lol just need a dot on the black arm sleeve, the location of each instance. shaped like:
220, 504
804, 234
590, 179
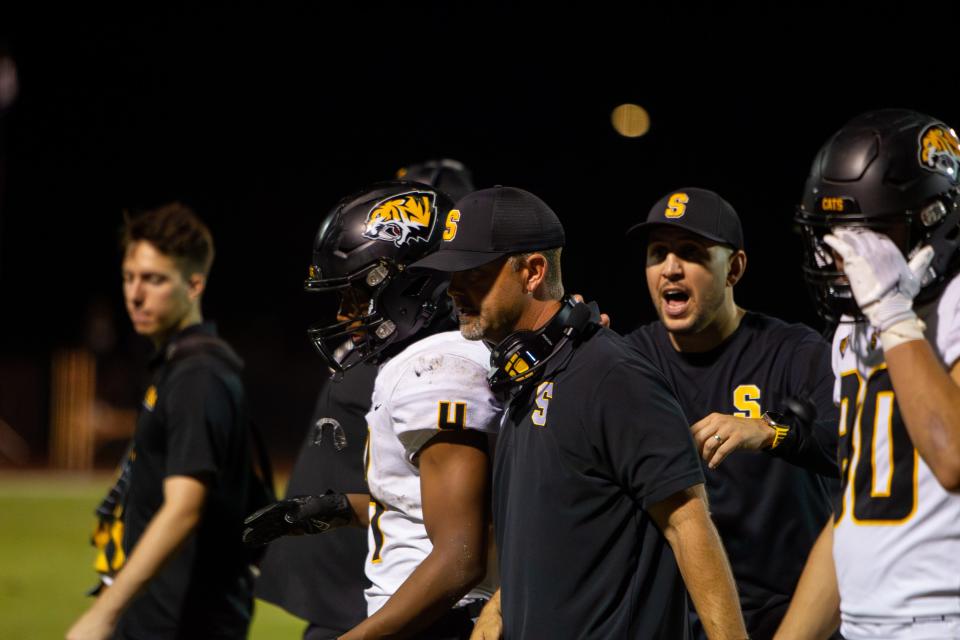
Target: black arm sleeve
812, 440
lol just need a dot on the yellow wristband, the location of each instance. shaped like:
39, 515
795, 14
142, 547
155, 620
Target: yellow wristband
778, 436
779, 431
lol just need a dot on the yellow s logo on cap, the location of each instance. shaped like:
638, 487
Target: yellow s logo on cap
677, 205
450, 230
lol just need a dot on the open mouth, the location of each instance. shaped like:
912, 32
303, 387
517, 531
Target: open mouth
675, 301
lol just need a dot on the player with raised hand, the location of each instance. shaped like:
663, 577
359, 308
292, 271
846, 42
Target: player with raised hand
881, 220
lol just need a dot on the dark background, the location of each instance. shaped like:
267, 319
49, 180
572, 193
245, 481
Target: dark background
262, 117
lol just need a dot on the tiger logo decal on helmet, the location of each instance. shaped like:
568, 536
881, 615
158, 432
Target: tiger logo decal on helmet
402, 219
940, 151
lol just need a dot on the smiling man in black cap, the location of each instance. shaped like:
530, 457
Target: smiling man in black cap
599, 504
746, 381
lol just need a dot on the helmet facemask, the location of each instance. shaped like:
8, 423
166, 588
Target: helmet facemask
894, 171
384, 305
826, 281
909, 230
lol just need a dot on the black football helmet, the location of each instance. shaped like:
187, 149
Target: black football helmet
361, 252
895, 171
450, 176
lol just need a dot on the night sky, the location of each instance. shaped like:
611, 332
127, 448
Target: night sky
262, 118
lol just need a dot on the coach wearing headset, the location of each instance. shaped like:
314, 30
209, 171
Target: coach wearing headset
599, 504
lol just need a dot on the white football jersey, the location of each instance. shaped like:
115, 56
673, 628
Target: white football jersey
439, 382
897, 531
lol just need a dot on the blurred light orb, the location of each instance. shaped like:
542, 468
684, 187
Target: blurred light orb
630, 120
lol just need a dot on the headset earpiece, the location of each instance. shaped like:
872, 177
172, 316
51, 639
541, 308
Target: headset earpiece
522, 354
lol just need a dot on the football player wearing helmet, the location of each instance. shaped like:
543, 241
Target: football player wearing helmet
880, 221
361, 252
297, 569
427, 462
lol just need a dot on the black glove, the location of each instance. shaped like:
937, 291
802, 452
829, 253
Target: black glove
297, 515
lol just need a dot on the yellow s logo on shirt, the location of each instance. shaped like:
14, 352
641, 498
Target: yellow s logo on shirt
746, 399
544, 396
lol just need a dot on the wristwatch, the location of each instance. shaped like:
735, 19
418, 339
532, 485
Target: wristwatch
774, 420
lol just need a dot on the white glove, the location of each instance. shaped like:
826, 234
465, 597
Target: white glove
883, 284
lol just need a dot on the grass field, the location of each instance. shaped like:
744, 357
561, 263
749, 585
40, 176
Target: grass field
45, 559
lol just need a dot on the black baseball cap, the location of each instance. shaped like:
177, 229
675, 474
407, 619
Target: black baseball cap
699, 211
491, 223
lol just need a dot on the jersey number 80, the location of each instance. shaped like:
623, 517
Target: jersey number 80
884, 474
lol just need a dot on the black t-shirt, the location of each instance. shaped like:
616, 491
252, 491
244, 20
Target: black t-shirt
192, 423
768, 511
320, 578
581, 454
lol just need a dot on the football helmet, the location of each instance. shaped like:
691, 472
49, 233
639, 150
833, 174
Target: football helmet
361, 252
895, 171
450, 176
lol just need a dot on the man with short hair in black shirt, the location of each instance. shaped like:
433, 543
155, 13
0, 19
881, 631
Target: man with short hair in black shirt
599, 504
186, 573
739, 377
